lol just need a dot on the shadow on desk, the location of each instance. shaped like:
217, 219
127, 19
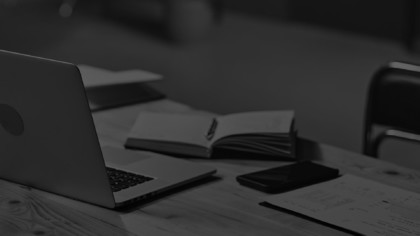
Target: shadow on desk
308, 150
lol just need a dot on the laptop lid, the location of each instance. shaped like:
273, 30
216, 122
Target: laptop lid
48, 139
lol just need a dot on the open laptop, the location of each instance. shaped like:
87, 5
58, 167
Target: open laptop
48, 140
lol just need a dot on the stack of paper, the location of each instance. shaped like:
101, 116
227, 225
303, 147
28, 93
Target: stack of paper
356, 204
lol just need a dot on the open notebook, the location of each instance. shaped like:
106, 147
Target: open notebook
268, 133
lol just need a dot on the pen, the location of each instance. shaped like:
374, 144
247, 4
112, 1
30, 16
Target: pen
212, 130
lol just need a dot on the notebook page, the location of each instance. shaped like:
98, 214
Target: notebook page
171, 127
254, 123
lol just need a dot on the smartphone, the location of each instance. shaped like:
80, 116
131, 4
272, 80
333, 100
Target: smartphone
284, 178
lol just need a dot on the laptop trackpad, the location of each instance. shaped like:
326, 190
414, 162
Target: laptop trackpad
123, 157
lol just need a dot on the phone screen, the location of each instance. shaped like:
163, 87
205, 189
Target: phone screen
288, 177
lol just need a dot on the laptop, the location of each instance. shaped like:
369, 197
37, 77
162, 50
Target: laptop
49, 141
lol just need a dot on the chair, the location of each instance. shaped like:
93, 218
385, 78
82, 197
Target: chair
393, 105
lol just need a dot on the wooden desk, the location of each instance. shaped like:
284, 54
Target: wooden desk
219, 206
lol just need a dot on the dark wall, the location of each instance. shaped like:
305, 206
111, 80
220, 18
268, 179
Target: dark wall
378, 18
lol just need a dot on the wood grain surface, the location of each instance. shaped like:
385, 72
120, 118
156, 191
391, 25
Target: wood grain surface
216, 206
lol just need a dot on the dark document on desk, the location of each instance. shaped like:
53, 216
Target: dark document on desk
105, 97
260, 133
107, 89
355, 204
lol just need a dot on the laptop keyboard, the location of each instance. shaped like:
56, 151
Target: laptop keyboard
121, 180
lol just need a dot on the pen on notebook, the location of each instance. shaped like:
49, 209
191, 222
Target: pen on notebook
212, 130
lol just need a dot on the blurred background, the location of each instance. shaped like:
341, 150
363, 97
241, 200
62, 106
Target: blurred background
315, 57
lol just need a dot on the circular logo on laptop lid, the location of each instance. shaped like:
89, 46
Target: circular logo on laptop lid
11, 120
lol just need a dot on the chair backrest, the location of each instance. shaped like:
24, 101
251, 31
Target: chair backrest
393, 103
